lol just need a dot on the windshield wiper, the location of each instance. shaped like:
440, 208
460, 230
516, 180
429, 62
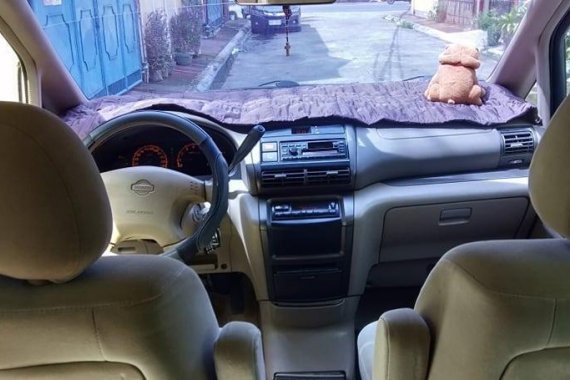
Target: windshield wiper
280, 84
417, 77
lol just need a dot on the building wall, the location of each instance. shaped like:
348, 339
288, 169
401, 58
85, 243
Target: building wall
169, 6
421, 8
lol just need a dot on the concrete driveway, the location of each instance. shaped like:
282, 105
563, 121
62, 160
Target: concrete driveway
341, 43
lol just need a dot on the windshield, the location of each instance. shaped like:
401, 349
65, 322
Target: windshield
180, 46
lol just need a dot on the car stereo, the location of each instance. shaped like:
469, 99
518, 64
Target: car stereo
305, 157
304, 150
300, 210
305, 144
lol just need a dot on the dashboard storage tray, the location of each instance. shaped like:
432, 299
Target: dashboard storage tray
302, 285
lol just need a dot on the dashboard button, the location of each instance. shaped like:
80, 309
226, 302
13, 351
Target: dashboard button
269, 147
269, 157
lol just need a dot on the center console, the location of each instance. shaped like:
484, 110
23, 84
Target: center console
304, 178
307, 245
303, 182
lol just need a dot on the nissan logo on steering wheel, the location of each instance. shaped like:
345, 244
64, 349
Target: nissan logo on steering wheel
142, 187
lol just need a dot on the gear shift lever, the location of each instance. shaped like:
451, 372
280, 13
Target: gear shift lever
252, 138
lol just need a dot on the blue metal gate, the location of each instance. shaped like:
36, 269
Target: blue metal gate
97, 40
214, 12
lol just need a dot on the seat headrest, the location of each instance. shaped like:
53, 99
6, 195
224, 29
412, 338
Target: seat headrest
55, 217
549, 178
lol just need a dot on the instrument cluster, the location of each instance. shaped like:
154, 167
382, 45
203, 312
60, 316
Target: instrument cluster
157, 146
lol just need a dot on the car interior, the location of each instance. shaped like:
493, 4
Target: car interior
312, 236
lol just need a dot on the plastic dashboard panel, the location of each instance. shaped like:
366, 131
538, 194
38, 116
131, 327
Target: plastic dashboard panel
397, 153
451, 153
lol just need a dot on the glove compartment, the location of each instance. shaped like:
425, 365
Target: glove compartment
414, 237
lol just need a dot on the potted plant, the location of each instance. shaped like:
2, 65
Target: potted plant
197, 8
156, 45
439, 11
489, 22
509, 22
185, 29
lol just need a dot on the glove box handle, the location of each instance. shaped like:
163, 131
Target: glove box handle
453, 217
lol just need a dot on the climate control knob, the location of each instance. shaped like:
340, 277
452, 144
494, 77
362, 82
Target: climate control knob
293, 151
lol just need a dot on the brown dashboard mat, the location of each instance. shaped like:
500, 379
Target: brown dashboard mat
368, 104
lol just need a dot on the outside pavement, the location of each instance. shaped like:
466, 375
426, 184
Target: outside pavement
342, 43
338, 43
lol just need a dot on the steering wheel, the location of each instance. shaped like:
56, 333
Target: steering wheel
150, 202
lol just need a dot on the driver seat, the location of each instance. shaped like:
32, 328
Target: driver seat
67, 313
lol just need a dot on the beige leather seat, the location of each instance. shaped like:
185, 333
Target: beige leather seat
491, 310
66, 313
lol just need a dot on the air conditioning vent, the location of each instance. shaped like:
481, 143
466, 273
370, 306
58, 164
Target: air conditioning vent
282, 178
518, 141
305, 177
328, 177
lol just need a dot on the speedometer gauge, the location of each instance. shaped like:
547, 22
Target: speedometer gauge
150, 155
191, 160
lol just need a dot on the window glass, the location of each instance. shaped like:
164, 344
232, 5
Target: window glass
182, 46
567, 59
10, 72
532, 96
559, 62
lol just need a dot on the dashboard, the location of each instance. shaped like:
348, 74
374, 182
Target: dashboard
328, 208
159, 146
358, 187
298, 157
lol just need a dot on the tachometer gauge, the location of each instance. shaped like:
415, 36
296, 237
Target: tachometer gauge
150, 155
191, 160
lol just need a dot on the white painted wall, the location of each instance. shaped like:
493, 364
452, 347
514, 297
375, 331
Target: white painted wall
421, 8
169, 6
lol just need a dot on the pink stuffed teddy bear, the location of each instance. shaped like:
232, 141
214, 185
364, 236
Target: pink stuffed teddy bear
455, 81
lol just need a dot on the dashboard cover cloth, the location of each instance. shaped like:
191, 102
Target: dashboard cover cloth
401, 102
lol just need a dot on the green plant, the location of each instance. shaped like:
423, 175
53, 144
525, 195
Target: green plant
489, 22
156, 44
439, 11
185, 30
509, 22
405, 24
